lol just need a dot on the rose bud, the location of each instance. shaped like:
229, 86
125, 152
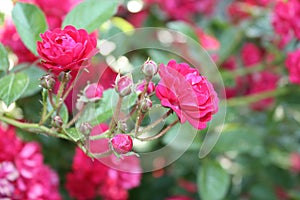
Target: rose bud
122, 143
149, 68
93, 92
47, 81
57, 121
85, 128
140, 87
146, 105
123, 85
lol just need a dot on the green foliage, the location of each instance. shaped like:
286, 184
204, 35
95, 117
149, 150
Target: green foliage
30, 22
4, 63
90, 14
12, 87
213, 181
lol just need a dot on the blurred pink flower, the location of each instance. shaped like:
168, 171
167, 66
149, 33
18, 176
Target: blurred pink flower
295, 162
101, 177
95, 179
22, 171
293, 66
208, 42
140, 87
251, 54
190, 95
262, 82
285, 20
11, 39
185, 9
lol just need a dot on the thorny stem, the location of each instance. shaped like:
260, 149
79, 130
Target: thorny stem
75, 118
162, 133
140, 115
115, 118
158, 121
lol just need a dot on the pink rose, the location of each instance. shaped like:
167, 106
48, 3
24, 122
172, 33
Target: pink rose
295, 162
190, 95
94, 91
293, 66
67, 49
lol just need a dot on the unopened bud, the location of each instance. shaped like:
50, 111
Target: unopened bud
122, 143
57, 121
146, 105
149, 68
47, 81
93, 92
123, 85
85, 128
140, 87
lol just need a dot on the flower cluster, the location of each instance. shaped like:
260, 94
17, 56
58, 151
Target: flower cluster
187, 93
97, 179
23, 175
286, 20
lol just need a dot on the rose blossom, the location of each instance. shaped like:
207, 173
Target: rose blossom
67, 49
190, 95
23, 175
293, 66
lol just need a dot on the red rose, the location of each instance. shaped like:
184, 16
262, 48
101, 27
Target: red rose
190, 95
67, 49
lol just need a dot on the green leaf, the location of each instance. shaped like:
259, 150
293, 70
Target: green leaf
103, 110
30, 22
12, 87
90, 14
74, 134
230, 39
4, 63
34, 74
64, 114
213, 181
183, 28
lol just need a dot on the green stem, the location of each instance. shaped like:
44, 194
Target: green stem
100, 136
44, 101
245, 100
243, 71
162, 133
31, 127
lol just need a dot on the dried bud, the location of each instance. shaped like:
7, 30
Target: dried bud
123, 85
146, 105
64, 76
85, 128
122, 143
149, 68
93, 92
47, 81
57, 121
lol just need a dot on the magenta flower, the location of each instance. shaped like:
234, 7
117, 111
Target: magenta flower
293, 66
67, 49
190, 95
251, 54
